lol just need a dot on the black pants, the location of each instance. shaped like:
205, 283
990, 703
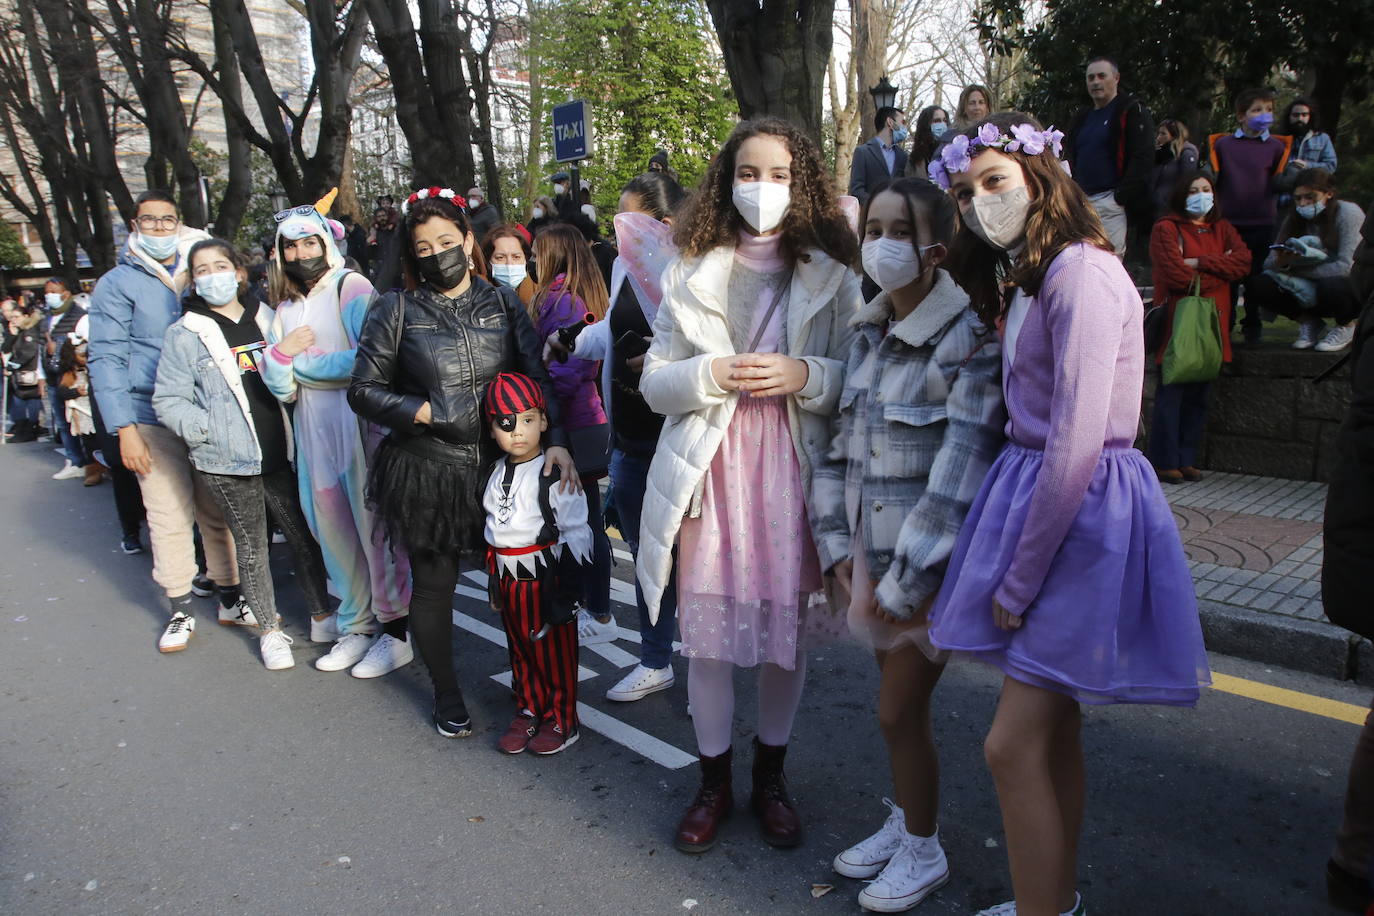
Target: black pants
127, 495
1336, 299
1257, 239
1179, 414
433, 578
246, 503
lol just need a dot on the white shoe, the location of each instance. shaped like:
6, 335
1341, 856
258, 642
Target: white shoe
1009, 908
1336, 339
179, 631
276, 651
1307, 334
916, 869
641, 682
240, 615
386, 655
326, 630
347, 652
69, 471
866, 858
591, 631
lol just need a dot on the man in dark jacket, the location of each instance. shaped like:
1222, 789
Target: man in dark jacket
881, 158
63, 313
1111, 147
483, 216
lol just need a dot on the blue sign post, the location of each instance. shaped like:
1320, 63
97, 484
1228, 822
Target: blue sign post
572, 131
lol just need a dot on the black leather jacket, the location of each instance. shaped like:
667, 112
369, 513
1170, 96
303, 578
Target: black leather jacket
446, 352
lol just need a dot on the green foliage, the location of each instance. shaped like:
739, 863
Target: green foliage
13, 254
214, 168
654, 80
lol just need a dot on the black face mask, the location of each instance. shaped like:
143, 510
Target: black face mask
445, 270
306, 271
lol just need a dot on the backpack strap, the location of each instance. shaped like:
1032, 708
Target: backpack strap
549, 533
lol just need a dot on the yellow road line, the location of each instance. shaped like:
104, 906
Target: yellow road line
1291, 699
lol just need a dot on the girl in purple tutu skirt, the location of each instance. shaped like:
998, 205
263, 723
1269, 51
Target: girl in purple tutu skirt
1069, 574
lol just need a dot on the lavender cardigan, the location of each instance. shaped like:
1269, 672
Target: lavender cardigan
574, 381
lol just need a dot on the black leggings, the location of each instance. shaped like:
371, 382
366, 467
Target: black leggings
127, 495
433, 578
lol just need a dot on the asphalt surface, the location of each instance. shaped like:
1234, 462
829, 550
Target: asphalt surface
132, 782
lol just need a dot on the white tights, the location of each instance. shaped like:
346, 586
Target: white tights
711, 691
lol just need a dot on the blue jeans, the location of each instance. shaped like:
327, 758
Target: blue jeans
76, 453
630, 475
596, 578
1180, 412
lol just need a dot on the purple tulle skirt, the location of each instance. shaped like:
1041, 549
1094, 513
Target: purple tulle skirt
1116, 620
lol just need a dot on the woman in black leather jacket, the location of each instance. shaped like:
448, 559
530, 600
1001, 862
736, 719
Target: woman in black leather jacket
425, 358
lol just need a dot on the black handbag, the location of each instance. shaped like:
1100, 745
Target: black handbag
591, 449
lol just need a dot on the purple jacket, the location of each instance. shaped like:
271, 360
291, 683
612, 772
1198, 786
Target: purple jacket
574, 382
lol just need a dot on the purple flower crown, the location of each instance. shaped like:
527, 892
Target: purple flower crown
957, 155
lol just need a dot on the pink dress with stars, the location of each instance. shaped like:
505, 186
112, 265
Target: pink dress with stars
747, 567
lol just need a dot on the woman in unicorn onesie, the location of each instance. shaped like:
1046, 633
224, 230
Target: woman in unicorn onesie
311, 346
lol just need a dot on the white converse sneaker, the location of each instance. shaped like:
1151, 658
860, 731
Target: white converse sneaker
867, 857
1009, 908
1336, 339
276, 651
386, 655
916, 869
326, 630
178, 633
347, 652
69, 471
240, 615
591, 631
1307, 334
641, 682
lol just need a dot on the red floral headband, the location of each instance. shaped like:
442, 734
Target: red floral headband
447, 194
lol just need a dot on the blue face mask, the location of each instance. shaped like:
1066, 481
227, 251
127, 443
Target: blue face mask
1199, 204
1261, 122
158, 247
511, 275
218, 289
938, 128
1311, 211
899, 134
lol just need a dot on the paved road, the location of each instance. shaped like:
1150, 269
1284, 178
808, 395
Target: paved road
132, 782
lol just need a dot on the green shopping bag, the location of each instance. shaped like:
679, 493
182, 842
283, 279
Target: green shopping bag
1194, 350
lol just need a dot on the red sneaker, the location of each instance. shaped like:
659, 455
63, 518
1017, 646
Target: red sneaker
522, 729
550, 739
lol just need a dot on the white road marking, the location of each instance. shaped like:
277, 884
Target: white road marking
642, 743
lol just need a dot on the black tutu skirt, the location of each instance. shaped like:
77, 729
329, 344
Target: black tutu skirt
427, 505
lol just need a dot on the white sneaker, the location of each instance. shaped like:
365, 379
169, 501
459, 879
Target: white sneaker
1336, 339
867, 857
916, 869
1009, 908
1307, 334
276, 651
69, 471
591, 631
178, 633
347, 652
386, 655
641, 682
326, 630
240, 615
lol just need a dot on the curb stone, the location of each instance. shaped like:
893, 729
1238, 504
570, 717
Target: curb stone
1302, 645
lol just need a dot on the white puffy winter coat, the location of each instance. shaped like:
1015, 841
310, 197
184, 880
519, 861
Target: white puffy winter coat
690, 331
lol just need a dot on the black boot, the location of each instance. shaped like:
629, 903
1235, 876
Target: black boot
770, 801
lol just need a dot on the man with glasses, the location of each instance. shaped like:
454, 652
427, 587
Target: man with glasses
131, 309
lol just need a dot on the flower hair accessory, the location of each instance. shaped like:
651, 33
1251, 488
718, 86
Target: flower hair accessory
447, 194
958, 154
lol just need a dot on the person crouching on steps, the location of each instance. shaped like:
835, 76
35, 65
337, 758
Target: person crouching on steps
539, 544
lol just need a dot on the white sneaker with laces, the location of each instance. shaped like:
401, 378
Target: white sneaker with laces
641, 682
916, 869
240, 615
179, 631
326, 630
347, 652
1337, 339
1307, 334
1009, 908
866, 858
276, 651
591, 631
386, 655
69, 471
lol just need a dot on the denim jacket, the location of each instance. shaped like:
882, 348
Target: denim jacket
199, 389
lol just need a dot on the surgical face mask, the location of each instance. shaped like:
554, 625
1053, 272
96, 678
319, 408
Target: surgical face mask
158, 247
219, 288
511, 275
899, 134
1260, 122
445, 270
559, 189
762, 204
474, 203
537, 213
938, 128
1311, 211
894, 263
306, 271
1199, 204
1000, 219
52, 300
589, 211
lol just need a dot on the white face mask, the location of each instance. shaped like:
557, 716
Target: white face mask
511, 275
52, 300
559, 189
218, 288
1000, 219
1311, 211
537, 213
589, 211
763, 204
474, 203
893, 263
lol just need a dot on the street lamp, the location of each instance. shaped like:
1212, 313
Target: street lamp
278, 199
884, 94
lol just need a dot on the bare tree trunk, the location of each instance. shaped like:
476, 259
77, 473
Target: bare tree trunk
239, 188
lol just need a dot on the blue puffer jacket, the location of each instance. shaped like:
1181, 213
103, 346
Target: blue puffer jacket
131, 309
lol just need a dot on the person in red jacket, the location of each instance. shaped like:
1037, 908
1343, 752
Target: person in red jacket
1191, 240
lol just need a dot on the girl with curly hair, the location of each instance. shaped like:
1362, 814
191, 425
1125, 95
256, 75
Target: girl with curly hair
748, 351
1068, 573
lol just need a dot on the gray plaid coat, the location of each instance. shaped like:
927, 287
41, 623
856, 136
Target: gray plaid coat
920, 420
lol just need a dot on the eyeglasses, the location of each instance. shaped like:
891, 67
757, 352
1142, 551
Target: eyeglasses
302, 210
157, 222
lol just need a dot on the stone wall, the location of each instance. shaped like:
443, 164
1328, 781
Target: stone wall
1268, 418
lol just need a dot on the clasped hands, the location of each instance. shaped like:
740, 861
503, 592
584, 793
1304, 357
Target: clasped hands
762, 375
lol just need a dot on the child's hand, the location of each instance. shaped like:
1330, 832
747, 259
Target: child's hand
844, 574
1003, 618
723, 371
561, 458
424, 416
766, 375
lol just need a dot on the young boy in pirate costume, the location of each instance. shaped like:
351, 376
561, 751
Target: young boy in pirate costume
538, 541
